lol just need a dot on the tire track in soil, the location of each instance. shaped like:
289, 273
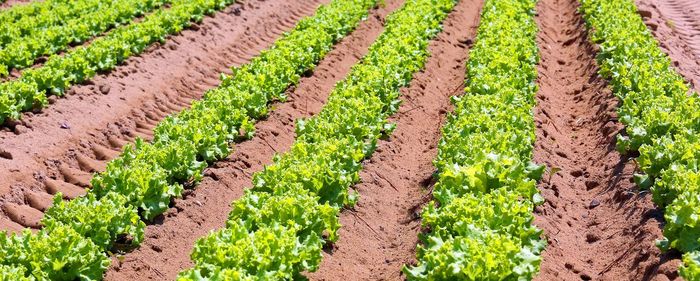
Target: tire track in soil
599, 226
57, 150
676, 25
380, 234
169, 241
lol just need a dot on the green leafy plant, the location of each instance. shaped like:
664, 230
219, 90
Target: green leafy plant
141, 183
661, 119
480, 225
104, 53
57, 253
21, 48
21, 20
690, 270
104, 221
277, 230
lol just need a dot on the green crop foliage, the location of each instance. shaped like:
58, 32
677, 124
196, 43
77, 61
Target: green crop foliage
57, 253
150, 174
480, 224
690, 270
661, 118
24, 19
277, 230
105, 221
104, 53
141, 183
20, 21
14, 273
21, 50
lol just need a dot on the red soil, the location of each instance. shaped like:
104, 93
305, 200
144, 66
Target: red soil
676, 24
380, 234
76, 135
598, 224
169, 242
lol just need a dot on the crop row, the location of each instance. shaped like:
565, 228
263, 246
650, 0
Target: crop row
480, 223
141, 183
17, 22
22, 51
82, 63
46, 14
30, 17
661, 118
276, 231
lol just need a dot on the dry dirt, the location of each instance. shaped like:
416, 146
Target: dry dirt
676, 24
169, 242
599, 225
58, 148
380, 234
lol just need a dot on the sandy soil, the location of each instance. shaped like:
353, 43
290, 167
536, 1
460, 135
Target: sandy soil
676, 24
169, 242
76, 135
380, 234
598, 224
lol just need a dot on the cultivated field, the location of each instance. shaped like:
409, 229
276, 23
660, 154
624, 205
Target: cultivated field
349, 140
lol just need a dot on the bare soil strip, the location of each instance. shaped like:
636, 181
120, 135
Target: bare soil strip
57, 149
169, 243
380, 234
676, 24
598, 224
39, 62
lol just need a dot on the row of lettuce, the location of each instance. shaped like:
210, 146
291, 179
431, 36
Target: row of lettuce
480, 222
21, 50
661, 117
140, 184
79, 64
22, 20
277, 230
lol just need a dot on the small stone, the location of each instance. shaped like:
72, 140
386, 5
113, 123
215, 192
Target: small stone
104, 89
466, 41
594, 203
237, 11
568, 266
65, 125
52, 99
562, 154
